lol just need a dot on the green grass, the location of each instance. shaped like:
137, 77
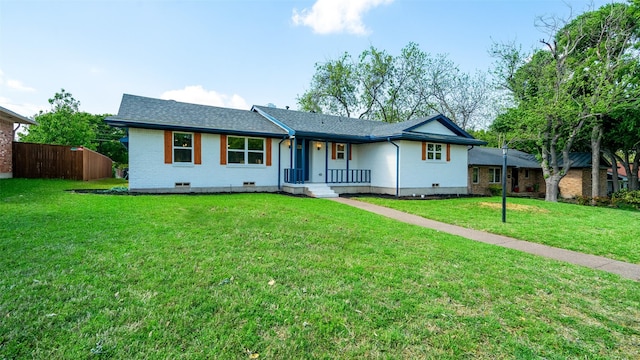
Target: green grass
230, 276
608, 232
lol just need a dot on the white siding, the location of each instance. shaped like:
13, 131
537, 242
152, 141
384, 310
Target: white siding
434, 127
418, 173
381, 159
148, 170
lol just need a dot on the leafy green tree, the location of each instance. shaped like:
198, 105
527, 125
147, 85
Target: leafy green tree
621, 143
379, 86
584, 72
606, 71
65, 124
333, 88
544, 112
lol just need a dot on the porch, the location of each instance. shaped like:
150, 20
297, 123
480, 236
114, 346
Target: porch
334, 176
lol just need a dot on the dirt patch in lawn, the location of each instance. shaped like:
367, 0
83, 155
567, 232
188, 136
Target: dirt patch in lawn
516, 207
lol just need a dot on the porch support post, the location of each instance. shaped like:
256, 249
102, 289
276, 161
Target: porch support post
292, 146
348, 149
326, 161
303, 162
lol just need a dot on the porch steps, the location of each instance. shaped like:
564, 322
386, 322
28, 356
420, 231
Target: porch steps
319, 191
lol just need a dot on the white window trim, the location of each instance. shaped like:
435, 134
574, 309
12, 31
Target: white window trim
434, 152
174, 147
492, 172
246, 152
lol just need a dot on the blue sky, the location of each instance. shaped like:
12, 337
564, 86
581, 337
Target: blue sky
234, 53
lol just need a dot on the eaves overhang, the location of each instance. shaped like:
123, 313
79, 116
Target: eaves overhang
156, 126
12, 117
337, 137
435, 138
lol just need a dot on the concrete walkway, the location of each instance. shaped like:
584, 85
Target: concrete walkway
627, 270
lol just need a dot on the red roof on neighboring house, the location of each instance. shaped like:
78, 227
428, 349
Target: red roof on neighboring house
622, 171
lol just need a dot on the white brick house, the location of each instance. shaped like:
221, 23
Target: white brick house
180, 147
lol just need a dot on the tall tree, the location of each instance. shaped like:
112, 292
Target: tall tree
621, 143
379, 86
545, 111
606, 73
65, 124
584, 72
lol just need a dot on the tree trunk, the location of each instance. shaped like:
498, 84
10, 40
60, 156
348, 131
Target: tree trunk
634, 183
553, 189
614, 171
596, 140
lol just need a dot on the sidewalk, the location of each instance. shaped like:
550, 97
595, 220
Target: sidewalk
627, 270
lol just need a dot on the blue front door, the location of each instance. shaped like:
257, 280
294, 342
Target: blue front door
302, 158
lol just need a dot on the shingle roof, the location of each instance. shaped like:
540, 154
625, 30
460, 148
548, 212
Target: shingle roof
493, 157
321, 124
139, 111
328, 126
582, 160
144, 112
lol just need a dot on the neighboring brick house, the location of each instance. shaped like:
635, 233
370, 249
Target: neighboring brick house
524, 174
578, 182
623, 178
8, 119
485, 169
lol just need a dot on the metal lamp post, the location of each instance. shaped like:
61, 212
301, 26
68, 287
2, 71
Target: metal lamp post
504, 182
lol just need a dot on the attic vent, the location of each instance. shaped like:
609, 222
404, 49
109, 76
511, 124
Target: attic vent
249, 183
435, 185
183, 184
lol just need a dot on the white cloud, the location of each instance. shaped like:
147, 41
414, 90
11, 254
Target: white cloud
95, 70
24, 109
196, 94
18, 85
337, 16
14, 84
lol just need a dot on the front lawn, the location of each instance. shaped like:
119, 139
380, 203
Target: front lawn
607, 232
268, 276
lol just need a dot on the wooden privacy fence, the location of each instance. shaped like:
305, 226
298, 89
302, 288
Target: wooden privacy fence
42, 161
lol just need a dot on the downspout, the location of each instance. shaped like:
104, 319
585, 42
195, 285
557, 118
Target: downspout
279, 161
397, 166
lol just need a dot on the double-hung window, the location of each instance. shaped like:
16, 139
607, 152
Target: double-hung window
340, 150
434, 152
495, 175
245, 150
475, 175
182, 147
